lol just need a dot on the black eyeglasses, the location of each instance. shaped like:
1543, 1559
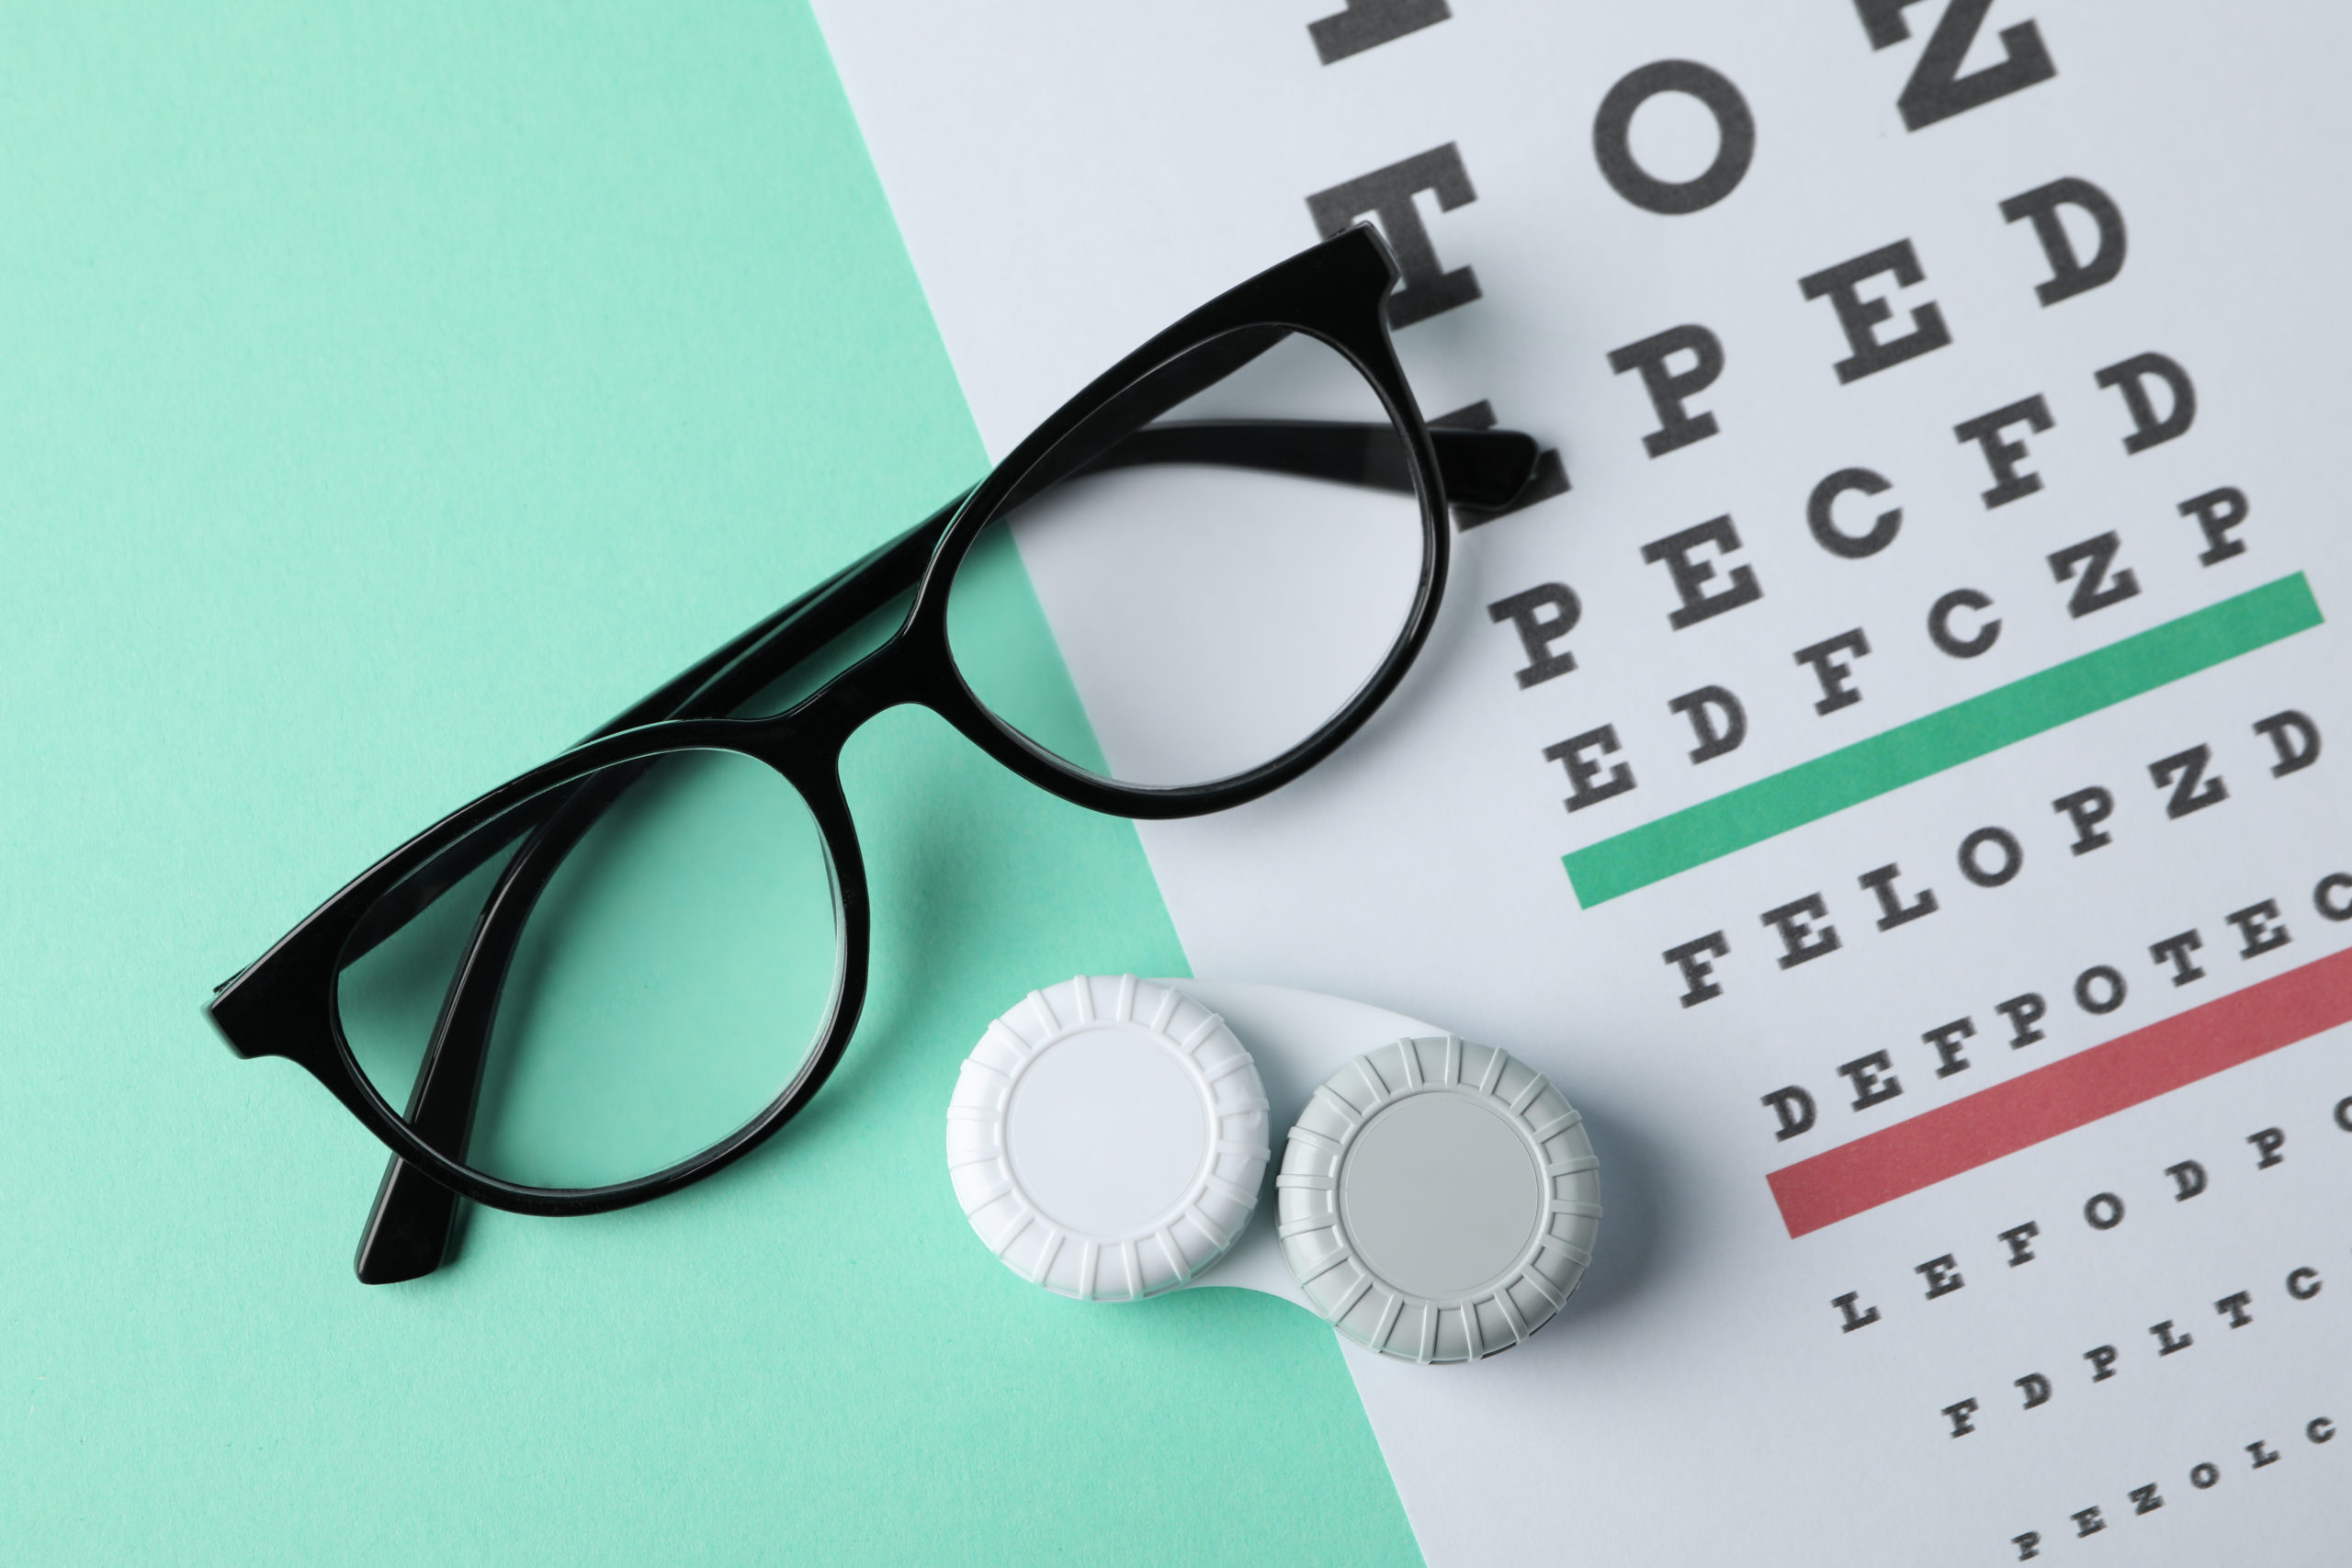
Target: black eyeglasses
626, 968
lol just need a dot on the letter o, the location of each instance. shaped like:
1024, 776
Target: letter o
2111, 979
1735, 133
2012, 857
2334, 882
2104, 1211
2319, 1429
2202, 1476
1836, 540
1939, 630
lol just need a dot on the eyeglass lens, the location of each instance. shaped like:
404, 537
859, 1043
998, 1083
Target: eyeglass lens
670, 979
1205, 617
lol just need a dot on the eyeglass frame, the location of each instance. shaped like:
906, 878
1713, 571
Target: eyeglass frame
286, 1003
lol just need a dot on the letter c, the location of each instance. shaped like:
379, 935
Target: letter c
1836, 540
1939, 630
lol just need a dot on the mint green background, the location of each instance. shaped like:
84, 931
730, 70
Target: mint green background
384, 400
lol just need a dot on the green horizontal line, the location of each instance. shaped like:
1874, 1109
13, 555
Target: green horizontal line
1945, 738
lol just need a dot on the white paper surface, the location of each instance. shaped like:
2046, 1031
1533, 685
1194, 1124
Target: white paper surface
1071, 177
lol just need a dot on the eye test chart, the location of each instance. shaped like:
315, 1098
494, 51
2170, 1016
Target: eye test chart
1889, 771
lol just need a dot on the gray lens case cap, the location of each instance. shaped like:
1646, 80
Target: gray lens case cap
1438, 1199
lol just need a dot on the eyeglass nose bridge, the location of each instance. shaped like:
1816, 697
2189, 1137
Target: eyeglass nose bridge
814, 731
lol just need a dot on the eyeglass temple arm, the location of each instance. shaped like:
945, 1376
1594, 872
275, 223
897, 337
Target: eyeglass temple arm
1481, 469
408, 1227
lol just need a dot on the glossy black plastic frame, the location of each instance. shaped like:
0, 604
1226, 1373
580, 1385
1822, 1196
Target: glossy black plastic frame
284, 1004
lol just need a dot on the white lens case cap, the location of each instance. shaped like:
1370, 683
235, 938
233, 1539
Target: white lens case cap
1107, 1138
1438, 1199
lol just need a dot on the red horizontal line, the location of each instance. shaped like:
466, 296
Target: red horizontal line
2032, 1107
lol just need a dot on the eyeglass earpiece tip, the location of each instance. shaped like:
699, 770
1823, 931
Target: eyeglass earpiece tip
408, 1232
